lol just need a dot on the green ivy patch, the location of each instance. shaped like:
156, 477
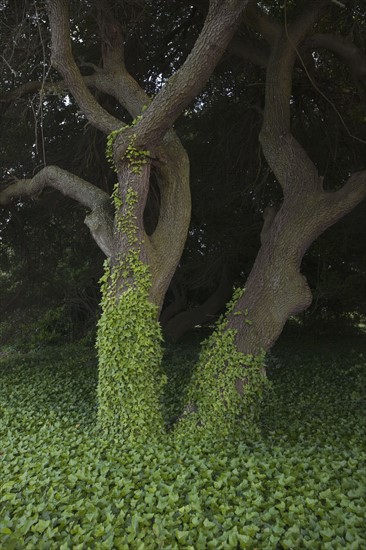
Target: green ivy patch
299, 485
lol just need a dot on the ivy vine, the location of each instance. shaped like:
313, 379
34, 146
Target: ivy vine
129, 335
219, 409
135, 157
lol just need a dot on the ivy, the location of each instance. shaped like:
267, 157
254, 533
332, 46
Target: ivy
219, 409
129, 340
135, 157
301, 484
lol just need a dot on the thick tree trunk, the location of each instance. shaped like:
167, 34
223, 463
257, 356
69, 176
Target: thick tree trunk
227, 385
137, 275
129, 335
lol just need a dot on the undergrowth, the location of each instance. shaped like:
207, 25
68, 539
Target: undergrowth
301, 484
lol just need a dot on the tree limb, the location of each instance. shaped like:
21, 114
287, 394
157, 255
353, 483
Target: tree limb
115, 80
342, 47
164, 247
220, 25
341, 202
99, 221
261, 22
64, 62
283, 153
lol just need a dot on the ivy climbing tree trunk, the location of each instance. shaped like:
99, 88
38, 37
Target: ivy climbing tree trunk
230, 376
226, 388
129, 335
140, 265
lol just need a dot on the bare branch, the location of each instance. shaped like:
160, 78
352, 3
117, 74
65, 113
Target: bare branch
25, 89
64, 62
338, 3
261, 22
283, 153
99, 221
181, 88
115, 80
51, 176
340, 202
324, 209
344, 48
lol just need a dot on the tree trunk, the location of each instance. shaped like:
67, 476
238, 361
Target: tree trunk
229, 380
129, 335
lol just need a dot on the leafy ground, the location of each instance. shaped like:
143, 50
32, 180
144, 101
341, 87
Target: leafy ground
301, 484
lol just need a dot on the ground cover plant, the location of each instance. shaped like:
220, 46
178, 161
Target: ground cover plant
299, 484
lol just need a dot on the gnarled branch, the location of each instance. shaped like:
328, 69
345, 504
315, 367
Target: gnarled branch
99, 221
283, 153
63, 60
220, 25
337, 204
344, 48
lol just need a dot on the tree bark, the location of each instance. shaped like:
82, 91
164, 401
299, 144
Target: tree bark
100, 218
275, 288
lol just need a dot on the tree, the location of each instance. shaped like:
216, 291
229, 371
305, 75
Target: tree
229, 377
275, 288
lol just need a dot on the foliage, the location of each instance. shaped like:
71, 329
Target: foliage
221, 408
36, 279
135, 157
52, 328
129, 351
129, 341
300, 485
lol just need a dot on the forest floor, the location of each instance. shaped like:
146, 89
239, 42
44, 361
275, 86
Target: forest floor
300, 484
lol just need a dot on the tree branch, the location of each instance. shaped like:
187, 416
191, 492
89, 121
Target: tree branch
324, 209
344, 48
259, 21
25, 89
181, 88
283, 153
280, 67
64, 62
99, 221
165, 246
115, 80
341, 202
167, 241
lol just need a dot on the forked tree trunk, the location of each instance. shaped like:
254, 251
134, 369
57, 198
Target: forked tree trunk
228, 382
229, 378
136, 277
178, 325
141, 266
